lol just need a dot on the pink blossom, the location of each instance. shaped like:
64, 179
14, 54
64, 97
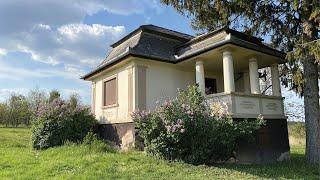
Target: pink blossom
142, 115
190, 113
173, 129
180, 121
166, 103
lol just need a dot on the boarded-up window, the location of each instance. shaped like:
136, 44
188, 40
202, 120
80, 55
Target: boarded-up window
110, 92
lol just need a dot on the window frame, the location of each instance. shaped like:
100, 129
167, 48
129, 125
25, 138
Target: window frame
215, 87
104, 90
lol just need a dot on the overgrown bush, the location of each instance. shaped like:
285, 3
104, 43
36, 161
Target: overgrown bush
97, 145
187, 129
60, 121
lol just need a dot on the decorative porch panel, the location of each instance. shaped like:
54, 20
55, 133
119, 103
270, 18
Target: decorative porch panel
250, 106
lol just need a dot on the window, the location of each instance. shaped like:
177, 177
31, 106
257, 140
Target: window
210, 85
110, 92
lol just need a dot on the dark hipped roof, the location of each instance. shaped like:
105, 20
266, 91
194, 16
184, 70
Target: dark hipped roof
149, 40
161, 44
158, 30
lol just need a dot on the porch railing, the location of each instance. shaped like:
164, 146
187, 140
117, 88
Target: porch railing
242, 105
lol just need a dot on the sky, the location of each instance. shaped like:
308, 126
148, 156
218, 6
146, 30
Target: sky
50, 44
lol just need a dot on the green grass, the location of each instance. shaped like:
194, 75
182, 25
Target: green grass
296, 131
19, 161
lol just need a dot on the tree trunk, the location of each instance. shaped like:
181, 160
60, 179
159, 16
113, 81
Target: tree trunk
311, 90
311, 107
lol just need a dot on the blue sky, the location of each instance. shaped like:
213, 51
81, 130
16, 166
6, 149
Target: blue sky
50, 44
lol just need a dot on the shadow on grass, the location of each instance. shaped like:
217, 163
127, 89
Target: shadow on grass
295, 168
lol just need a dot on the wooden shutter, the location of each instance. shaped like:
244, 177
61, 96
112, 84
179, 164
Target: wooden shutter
110, 92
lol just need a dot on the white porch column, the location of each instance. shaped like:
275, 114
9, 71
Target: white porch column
246, 82
228, 72
93, 97
254, 76
276, 90
200, 76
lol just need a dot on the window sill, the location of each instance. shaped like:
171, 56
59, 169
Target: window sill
110, 106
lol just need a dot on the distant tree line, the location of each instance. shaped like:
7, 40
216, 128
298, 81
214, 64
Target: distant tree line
20, 110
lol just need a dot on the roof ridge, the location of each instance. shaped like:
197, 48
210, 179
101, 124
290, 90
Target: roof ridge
154, 28
152, 25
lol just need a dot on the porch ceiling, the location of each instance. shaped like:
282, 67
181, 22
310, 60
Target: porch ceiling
213, 59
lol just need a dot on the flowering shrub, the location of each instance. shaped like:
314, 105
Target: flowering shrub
60, 121
188, 129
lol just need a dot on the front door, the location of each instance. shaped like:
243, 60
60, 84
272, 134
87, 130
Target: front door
210, 85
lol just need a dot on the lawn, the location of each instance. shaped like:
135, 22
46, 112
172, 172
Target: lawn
18, 160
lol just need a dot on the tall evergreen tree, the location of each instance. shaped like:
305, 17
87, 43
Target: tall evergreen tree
293, 26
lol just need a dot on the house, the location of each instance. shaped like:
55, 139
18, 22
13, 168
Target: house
151, 63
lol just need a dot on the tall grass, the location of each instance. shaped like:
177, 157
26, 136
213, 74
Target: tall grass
71, 161
297, 133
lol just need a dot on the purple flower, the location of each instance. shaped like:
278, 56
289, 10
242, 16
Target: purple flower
140, 115
173, 129
190, 113
180, 121
167, 104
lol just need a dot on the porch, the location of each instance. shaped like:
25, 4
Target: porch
230, 74
250, 105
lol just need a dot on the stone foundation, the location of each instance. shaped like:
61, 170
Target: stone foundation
271, 144
122, 134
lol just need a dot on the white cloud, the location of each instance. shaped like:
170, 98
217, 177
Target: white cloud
43, 26
53, 32
6, 92
127, 7
3, 52
21, 15
17, 73
79, 44
68, 92
21, 74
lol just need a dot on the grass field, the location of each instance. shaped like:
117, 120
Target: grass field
18, 160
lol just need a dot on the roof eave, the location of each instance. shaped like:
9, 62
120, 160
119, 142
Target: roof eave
260, 47
279, 54
121, 58
225, 29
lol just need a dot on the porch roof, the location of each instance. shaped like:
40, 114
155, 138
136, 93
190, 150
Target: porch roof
161, 44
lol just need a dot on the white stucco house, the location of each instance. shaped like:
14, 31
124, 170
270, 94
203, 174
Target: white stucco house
151, 63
